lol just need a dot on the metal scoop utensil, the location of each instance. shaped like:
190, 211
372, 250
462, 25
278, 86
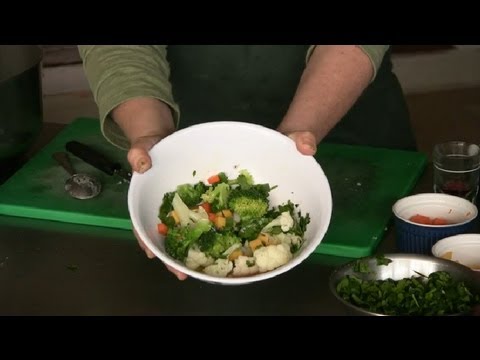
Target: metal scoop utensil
79, 186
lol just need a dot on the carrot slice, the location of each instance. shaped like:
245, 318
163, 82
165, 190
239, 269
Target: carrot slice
207, 207
421, 219
213, 179
439, 221
162, 229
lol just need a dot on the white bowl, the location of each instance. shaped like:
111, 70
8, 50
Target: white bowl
197, 152
463, 248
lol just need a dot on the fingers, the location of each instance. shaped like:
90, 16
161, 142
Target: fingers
151, 255
178, 274
138, 154
305, 141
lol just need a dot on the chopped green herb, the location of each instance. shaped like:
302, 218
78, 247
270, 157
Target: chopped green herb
382, 260
194, 173
361, 267
436, 294
250, 263
294, 248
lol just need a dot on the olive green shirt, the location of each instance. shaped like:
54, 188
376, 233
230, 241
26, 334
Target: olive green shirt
253, 83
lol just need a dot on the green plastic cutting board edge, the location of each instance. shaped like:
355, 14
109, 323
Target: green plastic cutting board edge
365, 183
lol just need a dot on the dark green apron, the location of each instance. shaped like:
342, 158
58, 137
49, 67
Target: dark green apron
256, 83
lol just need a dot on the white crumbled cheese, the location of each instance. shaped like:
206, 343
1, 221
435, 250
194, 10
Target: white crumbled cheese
245, 266
221, 268
272, 256
196, 259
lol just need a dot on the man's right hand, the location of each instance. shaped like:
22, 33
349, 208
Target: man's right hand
144, 121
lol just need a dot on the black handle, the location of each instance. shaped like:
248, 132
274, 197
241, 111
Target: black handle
92, 157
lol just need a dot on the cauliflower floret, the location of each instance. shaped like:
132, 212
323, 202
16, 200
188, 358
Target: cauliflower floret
221, 268
272, 256
288, 239
245, 266
284, 220
186, 215
197, 258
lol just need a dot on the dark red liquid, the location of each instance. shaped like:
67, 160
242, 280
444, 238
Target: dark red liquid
457, 188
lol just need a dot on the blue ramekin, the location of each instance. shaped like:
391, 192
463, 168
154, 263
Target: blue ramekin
419, 238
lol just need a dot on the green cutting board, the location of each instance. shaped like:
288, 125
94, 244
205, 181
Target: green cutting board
365, 183
37, 189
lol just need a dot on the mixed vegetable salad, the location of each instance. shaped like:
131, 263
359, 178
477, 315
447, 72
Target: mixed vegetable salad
227, 227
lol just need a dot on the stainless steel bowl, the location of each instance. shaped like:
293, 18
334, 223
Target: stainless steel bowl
402, 266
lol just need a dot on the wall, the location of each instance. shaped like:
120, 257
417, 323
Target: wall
443, 70
420, 69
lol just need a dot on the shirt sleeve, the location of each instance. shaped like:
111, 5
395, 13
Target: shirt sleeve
122, 72
374, 52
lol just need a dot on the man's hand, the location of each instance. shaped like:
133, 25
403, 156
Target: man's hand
150, 255
144, 121
305, 141
333, 80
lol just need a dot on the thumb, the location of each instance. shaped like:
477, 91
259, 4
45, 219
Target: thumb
138, 156
305, 141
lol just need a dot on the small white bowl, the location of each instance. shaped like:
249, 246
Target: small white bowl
197, 152
463, 248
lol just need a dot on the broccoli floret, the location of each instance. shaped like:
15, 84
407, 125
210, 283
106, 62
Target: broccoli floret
251, 203
244, 180
215, 244
217, 196
179, 239
191, 194
166, 206
170, 221
223, 178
